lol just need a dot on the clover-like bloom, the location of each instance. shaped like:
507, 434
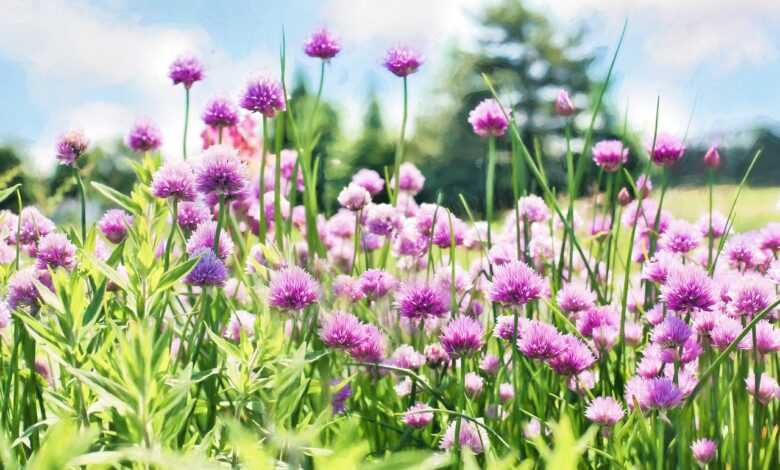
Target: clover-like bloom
71, 146
174, 180
473, 384
240, 321
322, 44
370, 180
563, 104
667, 150
471, 435
342, 330
575, 297
372, 349
418, 301
22, 291
462, 336
292, 288
354, 197
114, 225
210, 271
704, 450
383, 219
574, 357
487, 119
515, 283
540, 340
144, 136
418, 416
193, 213
203, 239
221, 172
220, 112
403, 61
662, 393
672, 332
410, 179
688, 288
376, 283
185, 70
680, 237
609, 155
56, 251
605, 411
265, 96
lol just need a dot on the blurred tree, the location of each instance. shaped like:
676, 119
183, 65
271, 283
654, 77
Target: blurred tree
529, 61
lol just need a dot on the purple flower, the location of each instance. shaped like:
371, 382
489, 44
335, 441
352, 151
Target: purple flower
768, 388
435, 355
704, 450
372, 349
340, 397
533, 209
681, 237
471, 436
383, 219
462, 336
402, 61
34, 225
767, 337
540, 340
605, 411
725, 331
406, 357
473, 384
370, 180
220, 112
186, 70
443, 233
712, 157
114, 225
174, 180
609, 155
489, 364
342, 330
417, 301
563, 105
210, 271
203, 239
505, 327
354, 197
488, 119
688, 288
193, 213
56, 251
144, 136
506, 392
21, 289
750, 295
672, 332
221, 172
376, 283
71, 146
410, 179
240, 321
662, 393
515, 283
575, 297
322, 44
418, 416
292, 288
573, 358
265, 96
666, 151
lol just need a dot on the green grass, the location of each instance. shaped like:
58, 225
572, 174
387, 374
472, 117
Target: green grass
756, 206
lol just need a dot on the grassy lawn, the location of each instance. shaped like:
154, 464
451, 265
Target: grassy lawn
756, 206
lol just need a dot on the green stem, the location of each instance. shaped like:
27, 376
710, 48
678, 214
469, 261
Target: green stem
18, 225
83, 198
263, 223
399, 150
169, 243
186, 121
220, 218
758, 369
489, 187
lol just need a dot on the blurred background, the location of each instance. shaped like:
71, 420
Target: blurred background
99, 66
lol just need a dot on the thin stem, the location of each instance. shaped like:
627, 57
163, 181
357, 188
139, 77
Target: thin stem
186, 121
169, 243
220, 219
399, 150
18, 225
278, 222
263, 223
356, 250
489, 187
83, 198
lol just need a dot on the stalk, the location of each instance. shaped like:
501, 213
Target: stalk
758, 368
186, 121
399, 151
278, 222
710, 237
356, 250
263, 223
461, 405
169, 243
489, 187
18, 225
220, 218
83, 199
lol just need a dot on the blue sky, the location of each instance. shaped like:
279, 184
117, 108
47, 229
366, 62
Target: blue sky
101, 65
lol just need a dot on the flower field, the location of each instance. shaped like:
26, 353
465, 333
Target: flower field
217, 317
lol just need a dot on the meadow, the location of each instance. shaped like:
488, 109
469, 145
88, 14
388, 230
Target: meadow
214, 317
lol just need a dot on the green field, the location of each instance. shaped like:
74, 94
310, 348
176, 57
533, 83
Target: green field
755, 207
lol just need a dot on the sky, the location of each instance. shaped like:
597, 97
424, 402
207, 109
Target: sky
100, 66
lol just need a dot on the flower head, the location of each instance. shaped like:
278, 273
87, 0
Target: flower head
264, 96
563, 104
667, 150
210, 271
22, 291
515, 283
186, 70
573, 358
292, 288
403, 61
575, 297
376, 283
672, 332
372, 349
704, 450
462, 336
712, 157
114, 225
680, 237
410, 179
540, 340
768, 388
688, 288
473, 384
383, 219
488, 119
609, 155
144, 136
174, 180
203, 239
342, 330
240, 321
220, 172
193, 213
471, 435
220, 112
506, 392
322, 44
418, 416
605, 411
71, 146
370, 180
417, 301
663, 393
56, 251
406, 357
354, 197
34, 225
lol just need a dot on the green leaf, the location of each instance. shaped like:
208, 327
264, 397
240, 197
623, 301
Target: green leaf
8, 191
95, 303
174, 274
111, 273
115, 196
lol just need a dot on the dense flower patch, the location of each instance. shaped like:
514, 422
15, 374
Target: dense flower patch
216, 315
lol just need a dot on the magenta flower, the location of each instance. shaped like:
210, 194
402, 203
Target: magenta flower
220, 112
34, 225
71, 146
471, 435
292, 288
667, 150
354, 197
193, 213
410, 179
144, 136
265, 96
443, 236
473, 385
768, 388
488, 119
605, 411
532, 209
506, 392
210, 271
672, 332
680, 237
372, 349
573, 358
540, 340
56, 251
21, 290
418, 301
662, 393
403, 61
221, 172
406, 357
515, 283
462, 336
383, 219
600, 316
370, 180
688, 288
609, 155
489, 364
186, 70
418, 416
436, 356
767, 337
203, 239
114, 225
240, 321
376, 283
750, 295
505, 327
575, 297
322, 44
342, 330
563, 105
712, 157
704, 450
174, 180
